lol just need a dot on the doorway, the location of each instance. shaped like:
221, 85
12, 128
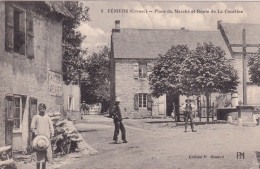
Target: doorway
172, 104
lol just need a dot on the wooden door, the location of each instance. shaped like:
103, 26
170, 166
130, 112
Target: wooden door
9, 122
32, 112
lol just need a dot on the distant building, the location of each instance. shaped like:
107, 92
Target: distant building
72, 101
133, 53
30, 66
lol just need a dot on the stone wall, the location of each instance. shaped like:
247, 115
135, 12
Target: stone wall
126, 86
29, 77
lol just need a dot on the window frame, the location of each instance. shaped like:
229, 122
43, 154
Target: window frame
142, 74
17, 130
18, 33
27, 48
142, 104
71, 103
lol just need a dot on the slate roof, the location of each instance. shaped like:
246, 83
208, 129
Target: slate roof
233, 32
148, 43
58, 7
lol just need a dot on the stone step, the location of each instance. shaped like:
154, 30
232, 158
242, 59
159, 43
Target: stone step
249, 124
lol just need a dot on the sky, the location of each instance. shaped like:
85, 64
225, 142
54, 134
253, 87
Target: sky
104, 13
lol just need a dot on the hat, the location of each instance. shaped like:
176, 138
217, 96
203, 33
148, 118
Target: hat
41, 143
117, 99
41, 105
189, 99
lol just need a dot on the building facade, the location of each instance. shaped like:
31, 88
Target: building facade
72, 101
133, 54
31, 66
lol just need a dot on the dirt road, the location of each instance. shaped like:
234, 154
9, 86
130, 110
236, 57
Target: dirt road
165, 146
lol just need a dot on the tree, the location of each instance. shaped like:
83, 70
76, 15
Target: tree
199, 72
254, 68
95, 87
72, 39
167, 74
207, 71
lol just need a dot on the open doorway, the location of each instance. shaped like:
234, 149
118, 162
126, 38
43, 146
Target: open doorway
172, 104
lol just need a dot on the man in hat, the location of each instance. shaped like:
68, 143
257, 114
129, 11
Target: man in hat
84, 107
117, 116
189, 109
42, 126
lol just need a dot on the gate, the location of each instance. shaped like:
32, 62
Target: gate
202, 109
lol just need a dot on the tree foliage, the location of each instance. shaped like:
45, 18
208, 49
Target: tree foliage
207, 71
72, 39
197, 72
254, 68
167, 74
95, 87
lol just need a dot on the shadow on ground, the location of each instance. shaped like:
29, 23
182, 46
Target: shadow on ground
183, 123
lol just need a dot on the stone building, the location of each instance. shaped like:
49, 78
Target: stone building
133, 53
30, 66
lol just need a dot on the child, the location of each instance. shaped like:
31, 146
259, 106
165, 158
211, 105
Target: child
42, 126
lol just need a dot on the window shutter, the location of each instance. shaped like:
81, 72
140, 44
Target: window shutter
136, 71
136, 106
9, 121
22, 32
149, 69
149, 102
30, 36
9, 28
9, 107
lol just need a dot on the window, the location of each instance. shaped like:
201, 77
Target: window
142, 70
18, 31
14, 108
17, 117
70, 103
142, 100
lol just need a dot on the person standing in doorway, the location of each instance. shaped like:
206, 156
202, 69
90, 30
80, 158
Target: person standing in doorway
117, 116
42, 126
189, 110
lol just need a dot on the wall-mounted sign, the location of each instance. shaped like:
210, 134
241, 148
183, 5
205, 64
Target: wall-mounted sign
55, 83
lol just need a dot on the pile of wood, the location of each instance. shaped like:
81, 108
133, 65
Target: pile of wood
66, 137
6, 160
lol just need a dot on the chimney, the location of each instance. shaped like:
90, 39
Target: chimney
182, 28
117, 24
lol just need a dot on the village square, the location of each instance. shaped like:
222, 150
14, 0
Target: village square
84, 87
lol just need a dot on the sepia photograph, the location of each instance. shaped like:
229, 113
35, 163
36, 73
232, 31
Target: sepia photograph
147, 84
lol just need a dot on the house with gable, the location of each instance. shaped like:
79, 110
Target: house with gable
133, 53
30, 66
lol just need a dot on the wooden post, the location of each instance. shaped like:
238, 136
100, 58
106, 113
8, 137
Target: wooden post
207, 100
244, 68
258, 68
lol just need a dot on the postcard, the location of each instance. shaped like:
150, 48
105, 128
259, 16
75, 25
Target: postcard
130, 84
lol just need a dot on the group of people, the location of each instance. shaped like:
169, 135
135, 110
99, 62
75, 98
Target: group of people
43, 131
188, 109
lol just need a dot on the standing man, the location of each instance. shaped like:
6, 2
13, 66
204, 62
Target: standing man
117, 116
83, 107
42, 126
189, 111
